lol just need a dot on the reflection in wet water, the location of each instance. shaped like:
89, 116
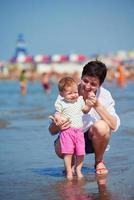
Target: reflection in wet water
77, 190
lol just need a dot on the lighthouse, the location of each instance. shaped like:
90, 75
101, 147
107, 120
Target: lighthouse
21, 49
21, 54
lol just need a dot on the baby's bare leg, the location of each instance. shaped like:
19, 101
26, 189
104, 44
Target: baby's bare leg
67, 162
79, 164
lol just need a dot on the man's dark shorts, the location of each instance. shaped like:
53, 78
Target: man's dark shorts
88, 143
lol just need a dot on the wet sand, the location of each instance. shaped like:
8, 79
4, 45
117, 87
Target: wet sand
29, 169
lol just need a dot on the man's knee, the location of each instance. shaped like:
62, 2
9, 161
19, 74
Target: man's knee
58, 148
100, 128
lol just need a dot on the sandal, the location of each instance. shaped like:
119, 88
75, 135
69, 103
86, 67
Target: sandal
101, 168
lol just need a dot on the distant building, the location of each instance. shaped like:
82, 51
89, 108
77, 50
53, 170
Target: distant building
21, 54
21, 49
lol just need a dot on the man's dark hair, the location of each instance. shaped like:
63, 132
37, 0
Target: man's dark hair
96, 69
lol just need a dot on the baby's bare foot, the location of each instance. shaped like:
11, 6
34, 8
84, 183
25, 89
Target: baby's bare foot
69, 176
79, 175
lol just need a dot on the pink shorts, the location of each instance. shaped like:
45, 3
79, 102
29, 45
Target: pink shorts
72, 141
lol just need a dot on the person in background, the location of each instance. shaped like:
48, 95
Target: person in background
46, 82
100, 121
69, 105
120, 75
23, 82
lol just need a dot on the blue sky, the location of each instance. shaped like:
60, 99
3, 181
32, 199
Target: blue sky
67, 26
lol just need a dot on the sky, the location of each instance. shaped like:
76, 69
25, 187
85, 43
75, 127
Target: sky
67, 26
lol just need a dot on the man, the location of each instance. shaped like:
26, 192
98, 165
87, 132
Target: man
101, 119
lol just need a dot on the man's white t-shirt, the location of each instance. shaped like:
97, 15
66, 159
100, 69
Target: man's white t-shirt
105, 98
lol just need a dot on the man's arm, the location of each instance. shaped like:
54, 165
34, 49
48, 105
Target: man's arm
53, 129
103, 111
105, 115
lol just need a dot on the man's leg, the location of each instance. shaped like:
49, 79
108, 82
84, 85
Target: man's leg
100, 136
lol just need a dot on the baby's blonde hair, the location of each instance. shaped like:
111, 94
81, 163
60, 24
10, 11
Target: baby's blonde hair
66, 82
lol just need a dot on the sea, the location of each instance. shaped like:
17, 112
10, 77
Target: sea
29, 167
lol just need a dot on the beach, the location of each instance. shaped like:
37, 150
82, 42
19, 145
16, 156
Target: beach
29, 168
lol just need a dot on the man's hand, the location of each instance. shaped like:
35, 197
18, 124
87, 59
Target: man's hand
64, 122
91, 100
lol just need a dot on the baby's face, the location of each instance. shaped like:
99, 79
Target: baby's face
70, 94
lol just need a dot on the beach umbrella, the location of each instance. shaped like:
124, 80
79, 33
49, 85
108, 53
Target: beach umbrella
28, 59
46, 58
59, 58
77, 58
42, 58
64, 58
38, 58
24, 59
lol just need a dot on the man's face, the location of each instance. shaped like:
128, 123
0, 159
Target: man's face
89, 83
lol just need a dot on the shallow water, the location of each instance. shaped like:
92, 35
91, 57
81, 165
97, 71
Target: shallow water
29, 169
